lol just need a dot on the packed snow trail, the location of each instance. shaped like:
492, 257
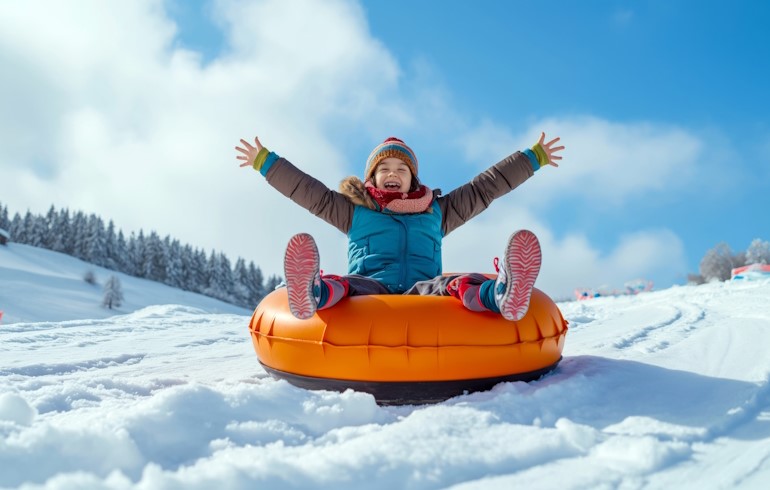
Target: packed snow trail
667, 389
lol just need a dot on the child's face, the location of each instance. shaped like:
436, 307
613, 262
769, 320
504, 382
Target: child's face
392, 174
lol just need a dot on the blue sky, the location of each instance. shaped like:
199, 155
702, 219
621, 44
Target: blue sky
698, 65
661, 105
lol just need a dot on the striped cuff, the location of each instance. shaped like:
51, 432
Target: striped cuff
260, 159
269, 161
532, 159
542, 156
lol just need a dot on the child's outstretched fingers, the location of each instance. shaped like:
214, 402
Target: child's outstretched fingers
249, 152
551, 150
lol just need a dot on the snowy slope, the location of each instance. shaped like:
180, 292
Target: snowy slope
41, 285
668, 389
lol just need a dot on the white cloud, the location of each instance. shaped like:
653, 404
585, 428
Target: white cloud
603, 161
570, 261
107, 115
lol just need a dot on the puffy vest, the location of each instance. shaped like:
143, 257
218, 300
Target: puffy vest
396, 249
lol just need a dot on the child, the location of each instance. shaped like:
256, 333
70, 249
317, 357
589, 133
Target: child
395, 226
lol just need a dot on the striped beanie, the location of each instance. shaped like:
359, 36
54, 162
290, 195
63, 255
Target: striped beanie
391, 147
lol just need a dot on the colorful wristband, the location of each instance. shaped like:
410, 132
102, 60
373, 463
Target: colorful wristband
542, 156
260, 160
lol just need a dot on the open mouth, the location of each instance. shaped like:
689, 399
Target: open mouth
392, 186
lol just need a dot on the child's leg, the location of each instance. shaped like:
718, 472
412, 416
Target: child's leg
516, 276
308, 291
468, 289
465, 287
332, 288
330, 291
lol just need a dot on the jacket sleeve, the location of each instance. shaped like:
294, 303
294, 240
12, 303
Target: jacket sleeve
311, 194
470, 199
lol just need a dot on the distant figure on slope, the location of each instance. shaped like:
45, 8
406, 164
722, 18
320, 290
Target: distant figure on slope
395, 226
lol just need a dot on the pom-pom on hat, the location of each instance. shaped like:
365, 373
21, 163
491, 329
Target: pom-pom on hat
391, 147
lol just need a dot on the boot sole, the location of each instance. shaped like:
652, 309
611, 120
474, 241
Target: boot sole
300, 266
522, 262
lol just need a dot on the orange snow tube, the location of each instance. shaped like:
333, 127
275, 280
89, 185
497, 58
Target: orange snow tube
406, 349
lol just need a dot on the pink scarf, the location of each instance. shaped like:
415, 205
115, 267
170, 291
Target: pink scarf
401, 202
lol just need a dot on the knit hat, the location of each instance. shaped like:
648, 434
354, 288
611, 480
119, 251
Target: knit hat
391, 147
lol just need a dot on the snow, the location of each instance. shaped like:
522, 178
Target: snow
665, 389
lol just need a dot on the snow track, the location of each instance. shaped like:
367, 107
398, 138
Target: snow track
668, 389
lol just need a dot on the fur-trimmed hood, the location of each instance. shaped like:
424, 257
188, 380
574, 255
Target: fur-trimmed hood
354, 189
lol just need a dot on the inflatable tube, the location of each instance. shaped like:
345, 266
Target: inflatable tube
751, 272
406, 349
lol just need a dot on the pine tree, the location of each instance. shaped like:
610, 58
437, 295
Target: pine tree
256, 284
175, 273
96, 241
5, 223
241, 291
113, 293
272, 283
121, 253
154, 259
136, 254
220, 277
50, 221
17, 228
35, 230
86, 238
199, 277
79, 235
110, 247
61, 235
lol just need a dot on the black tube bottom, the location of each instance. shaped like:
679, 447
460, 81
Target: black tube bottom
407, 392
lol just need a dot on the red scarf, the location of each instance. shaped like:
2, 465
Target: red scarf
401, 202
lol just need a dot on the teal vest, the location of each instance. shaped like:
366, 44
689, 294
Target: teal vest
396, 249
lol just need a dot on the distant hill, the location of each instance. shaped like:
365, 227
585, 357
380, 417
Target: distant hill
39, 285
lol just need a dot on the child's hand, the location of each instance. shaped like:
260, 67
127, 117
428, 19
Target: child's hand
550, 150
249, 152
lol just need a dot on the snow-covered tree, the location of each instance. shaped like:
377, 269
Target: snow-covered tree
110, 247
5, 223
96, 241
272, 283
136, 245
167, 261
719, 262
17, 228
198, 273
220, 276
79, 231
121, 253
89, 277
175, 270
61, 234
35, 230
242, 294
256, 284
113, 293
154, 259
758, 252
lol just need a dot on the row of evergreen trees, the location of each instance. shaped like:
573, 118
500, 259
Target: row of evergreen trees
142, 255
